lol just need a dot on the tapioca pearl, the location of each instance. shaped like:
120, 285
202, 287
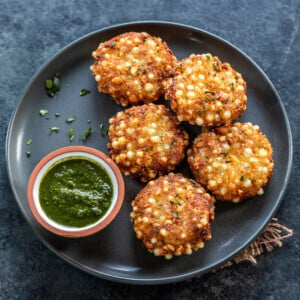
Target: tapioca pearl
199, 121
227, 114
209, 117
248, 151
190, 94
247, 183
236, 200
263, 152
240, 88
179, 93
201, 76
212, 183
260, 191
223, 190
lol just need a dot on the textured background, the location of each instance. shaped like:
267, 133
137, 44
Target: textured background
33, 31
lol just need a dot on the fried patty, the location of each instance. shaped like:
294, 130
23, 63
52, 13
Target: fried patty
172, 215
233, 162
133, 67
206, 91
146, 141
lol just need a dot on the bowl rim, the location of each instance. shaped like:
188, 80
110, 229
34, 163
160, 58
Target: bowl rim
89, 229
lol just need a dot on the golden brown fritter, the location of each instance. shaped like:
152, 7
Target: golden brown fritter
172, 215
146, 141
132, 68
206, 91
233, 162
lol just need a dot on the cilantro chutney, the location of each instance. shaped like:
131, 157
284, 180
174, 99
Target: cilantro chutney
76, 192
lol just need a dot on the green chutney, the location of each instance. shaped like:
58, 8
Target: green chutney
76, 192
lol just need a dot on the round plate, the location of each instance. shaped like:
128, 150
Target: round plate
115, 253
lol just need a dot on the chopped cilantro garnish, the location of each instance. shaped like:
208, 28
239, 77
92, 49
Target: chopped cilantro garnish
71, 134
103, 129
87, 133
43, 112
71, 119
84, 92
54, 128
52, 85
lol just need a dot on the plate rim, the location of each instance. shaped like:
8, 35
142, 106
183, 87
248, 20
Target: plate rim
166, 279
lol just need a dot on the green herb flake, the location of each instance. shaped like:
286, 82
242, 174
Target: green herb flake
54, 128
207, 56
143, 71
71, 119
171, 145
52, 85
28, 153
84, 92
87, 133
49, 84
225, 153
113, 44
71, 134
216, 66
242, 178
43, 112
103, 129
175, 214
57, 114
29, 142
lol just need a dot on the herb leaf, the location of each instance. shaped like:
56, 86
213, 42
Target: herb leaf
71, 119
103, 129
71, 134
28, 142
242, 178
54, 128
87, 133
84, 92
52, 85
43, 112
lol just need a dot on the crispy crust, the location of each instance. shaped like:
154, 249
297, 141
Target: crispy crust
146, 141
132, 68
172, 215
233, 162
206, 91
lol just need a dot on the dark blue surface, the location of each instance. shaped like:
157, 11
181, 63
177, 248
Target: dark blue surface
32, 31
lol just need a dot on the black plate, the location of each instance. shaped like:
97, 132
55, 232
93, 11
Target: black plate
115, 253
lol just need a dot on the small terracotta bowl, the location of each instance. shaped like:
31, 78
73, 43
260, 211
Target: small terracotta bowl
79, 152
